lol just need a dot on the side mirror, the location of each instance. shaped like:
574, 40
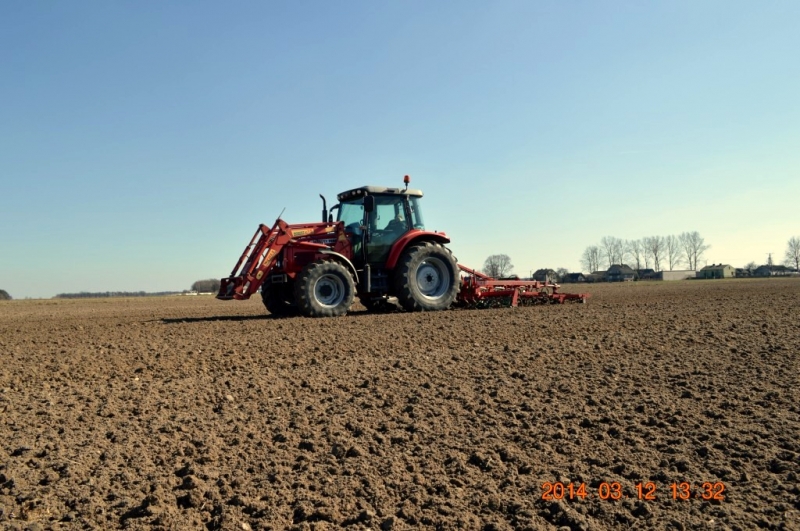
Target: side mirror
369, 203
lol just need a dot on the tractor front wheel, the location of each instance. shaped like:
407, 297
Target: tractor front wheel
324, 289
426, 278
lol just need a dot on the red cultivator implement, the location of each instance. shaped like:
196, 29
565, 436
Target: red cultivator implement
481, 291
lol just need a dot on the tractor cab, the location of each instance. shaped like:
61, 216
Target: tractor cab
377, 217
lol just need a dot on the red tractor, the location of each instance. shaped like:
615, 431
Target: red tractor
376, 248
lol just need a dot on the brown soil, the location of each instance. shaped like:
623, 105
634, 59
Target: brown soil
188, 412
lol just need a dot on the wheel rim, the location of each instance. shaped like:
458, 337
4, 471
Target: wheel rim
432, 278
329, 291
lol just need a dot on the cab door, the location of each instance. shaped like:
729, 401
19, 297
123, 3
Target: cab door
386, 220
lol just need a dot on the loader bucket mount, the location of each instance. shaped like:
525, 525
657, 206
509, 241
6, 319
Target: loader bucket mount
255, 263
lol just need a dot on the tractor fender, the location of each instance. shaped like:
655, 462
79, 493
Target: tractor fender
411, 238
345, 260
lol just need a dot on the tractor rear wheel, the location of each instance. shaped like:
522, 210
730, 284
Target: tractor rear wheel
324, 289
426, 278
275, 299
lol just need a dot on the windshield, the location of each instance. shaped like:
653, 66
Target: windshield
352, 214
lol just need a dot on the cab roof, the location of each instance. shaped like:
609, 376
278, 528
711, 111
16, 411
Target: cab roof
374, 190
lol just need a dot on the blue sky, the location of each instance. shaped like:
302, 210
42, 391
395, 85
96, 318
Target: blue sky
141, 143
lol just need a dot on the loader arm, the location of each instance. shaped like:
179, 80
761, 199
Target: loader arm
256, 261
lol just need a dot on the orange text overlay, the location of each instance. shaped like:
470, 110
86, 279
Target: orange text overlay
648, 491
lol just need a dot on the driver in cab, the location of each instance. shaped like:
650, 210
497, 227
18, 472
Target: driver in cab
396, 227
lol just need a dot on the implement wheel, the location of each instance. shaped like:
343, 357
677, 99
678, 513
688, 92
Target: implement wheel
324, 289
426, 278
278, 299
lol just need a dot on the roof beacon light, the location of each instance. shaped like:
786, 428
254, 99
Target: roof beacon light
406, 180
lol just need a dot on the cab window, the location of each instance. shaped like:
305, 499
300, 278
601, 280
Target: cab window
389, 215
416, 214
352, 214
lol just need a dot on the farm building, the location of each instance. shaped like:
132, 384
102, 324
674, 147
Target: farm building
676, 275
774, 271
573, 278
620, 273
596, 276
646, 274
717, 271
545, 275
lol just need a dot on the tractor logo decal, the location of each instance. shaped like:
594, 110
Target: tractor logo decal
301, 232
270, 255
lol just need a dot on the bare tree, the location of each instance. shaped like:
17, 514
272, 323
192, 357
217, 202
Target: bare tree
613, 249
751, 267
562, 272
792, 258
654, 245
619, 251
590, 260
686, 244
645, 253
674, 251
694, 246
498, 265
607, 245
635, 251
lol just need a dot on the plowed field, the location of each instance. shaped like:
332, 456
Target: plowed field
191, 413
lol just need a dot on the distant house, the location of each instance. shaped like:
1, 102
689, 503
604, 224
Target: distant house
717, 271
646, 274
573, 278
773, 271
545, 275
763, 271
683, 274
596, 276
620, 273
